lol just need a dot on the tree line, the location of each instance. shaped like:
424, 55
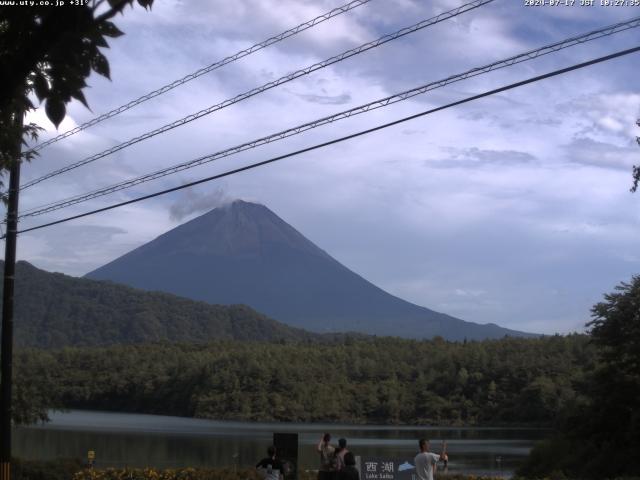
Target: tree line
359, 380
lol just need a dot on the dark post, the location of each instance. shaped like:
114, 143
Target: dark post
6, 358
287, 451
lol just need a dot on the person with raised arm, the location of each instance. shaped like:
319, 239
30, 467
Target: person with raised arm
326, 451
426, 462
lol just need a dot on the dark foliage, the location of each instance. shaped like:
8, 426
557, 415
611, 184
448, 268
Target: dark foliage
600, 434
55, 310
377, 380
49, 52
60, 469
636, 169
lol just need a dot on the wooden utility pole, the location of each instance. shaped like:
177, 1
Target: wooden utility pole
6, 357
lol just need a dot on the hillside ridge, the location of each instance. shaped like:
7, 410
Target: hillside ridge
53, 310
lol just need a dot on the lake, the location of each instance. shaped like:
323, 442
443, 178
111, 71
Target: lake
121, 439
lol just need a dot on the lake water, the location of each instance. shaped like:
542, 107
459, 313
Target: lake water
162, 441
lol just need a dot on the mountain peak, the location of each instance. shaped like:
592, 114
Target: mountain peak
242, 252
239, 203
239, 228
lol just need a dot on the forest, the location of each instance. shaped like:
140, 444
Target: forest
585, 387
359, 380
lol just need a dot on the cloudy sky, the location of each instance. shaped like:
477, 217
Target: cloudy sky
513, 209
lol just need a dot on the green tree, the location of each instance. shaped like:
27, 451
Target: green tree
615, 386
49, 52
636, 169
538, 398
600, 436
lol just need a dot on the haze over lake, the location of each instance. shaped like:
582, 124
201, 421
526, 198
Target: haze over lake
162, 441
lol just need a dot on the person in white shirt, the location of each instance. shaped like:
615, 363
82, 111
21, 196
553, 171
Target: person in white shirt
426, 461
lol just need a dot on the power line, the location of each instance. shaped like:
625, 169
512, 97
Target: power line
342, 139
210, 68
267, 86
398, 97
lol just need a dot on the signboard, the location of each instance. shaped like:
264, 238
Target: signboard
375, 468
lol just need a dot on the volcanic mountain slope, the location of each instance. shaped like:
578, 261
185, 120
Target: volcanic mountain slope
243, 253
53, 310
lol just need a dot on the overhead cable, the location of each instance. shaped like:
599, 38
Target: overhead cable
210, 68
341, 139
398, 97
267, 86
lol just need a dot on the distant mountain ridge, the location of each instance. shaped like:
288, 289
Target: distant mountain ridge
53, 310
243, 253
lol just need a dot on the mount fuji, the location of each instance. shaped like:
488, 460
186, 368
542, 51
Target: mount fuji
243, 253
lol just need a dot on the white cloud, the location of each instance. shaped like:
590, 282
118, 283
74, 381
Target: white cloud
482, 211
39, 117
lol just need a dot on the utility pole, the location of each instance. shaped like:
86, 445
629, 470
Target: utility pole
6, 357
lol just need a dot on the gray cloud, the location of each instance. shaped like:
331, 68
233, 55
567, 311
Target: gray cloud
75, 249
549, 121
585, 151
485, 116
477, 158
194, 201
326, 99
412, 131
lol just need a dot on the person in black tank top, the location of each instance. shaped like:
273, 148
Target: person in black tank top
349, 471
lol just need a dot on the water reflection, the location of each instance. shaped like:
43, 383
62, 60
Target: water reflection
150, 440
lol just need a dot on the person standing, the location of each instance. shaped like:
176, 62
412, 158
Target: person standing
349, 472
341, 451
327, 452
270, 467
426, 461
